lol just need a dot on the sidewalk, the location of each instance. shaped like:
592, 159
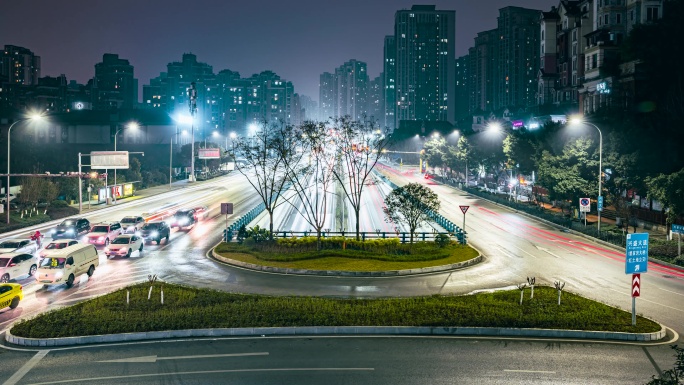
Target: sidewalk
139, 194
592, 220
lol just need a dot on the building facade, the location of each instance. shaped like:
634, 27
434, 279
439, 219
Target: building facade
425, 64
114, 85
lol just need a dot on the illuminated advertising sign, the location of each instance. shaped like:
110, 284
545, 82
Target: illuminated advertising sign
128, 189
209, 153
518, 123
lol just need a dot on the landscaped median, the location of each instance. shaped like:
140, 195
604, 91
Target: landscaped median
189, 311
346, 256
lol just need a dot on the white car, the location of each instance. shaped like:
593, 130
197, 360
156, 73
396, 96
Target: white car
13, 265
124, 245
18, 246
131, 225
55, 246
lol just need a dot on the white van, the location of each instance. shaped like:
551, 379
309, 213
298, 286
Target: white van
64, 266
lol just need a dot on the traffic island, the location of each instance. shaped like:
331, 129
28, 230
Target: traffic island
128, 315
347, 257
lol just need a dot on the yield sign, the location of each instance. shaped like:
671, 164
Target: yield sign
636, 285
464, 209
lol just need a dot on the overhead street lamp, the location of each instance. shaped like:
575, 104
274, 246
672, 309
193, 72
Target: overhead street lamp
132, 126
32, 117
576, 121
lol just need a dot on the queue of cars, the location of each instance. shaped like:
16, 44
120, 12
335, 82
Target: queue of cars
72, 251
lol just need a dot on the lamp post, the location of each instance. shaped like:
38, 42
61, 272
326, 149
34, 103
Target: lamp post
7, 187
171, 153
192, 105
132, 126
576, 121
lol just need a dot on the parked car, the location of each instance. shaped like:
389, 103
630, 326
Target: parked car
132, 224
183, 219
124, 245
15, 265
56, 246
3, 198
104, 233
18, 246
10, 295
155, 231
71, 228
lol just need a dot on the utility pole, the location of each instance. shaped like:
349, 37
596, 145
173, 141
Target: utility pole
192, 104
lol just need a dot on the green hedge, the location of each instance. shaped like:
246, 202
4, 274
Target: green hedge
193, 308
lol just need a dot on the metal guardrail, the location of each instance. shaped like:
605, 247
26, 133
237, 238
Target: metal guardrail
436, 217
404, 237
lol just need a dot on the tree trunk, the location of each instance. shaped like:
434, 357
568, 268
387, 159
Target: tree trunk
318, 239
358, 224
270, 223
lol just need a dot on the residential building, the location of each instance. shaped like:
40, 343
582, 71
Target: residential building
344, 92
425, 64
389, 81
19, 65
376, 105
114, 85
462, 86
483, 69
326, 98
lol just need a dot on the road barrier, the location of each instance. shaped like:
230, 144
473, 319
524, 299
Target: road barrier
436, 217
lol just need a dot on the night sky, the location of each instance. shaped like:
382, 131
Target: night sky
297, 39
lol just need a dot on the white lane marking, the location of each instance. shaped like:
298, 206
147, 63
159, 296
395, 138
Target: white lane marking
669, 291
525, 251
208, 372
528, 371
626, 293
27, 366
155, 358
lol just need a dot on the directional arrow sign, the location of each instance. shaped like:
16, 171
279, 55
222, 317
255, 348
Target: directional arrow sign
152, 359
636, 285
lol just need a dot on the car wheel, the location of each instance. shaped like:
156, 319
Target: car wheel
158, 240
91, 270
106, 242
129, 253
70, 281
167, 238
4, 279
14, 303
141, 247
32, 270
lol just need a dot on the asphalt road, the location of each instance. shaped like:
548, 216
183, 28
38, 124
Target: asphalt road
339, 360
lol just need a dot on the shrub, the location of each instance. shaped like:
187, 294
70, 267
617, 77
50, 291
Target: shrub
58, 204
442, 240
259, 234
241, 234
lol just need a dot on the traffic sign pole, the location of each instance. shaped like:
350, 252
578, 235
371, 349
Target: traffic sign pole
636, 291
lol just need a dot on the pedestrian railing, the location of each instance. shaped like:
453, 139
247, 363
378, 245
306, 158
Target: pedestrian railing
404, 237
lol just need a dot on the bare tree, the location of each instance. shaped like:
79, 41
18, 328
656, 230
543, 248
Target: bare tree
312, 175
358, 146
265, 166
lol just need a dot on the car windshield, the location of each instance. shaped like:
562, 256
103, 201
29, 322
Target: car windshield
121, 241
100, 229
151, 226
53, 263
128, 220
56, 246
9, 245
183, 214
68, 223
4, 262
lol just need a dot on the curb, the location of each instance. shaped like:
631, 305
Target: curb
345, 330
336, 273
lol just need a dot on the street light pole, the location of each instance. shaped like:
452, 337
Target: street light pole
600, 176
192, 101
7, 188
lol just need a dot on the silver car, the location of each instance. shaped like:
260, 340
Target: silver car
18, 246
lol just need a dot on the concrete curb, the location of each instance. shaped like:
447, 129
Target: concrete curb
335, 273
331, 330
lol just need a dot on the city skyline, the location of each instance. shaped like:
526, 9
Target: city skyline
78, 38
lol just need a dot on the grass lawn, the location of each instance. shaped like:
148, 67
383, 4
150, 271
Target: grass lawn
193, 308
424, 255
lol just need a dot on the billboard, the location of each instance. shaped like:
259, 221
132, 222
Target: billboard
100, 160
209, 153
128, 189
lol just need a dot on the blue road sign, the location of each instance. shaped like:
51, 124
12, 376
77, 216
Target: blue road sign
600, 203
636, 259
679, 229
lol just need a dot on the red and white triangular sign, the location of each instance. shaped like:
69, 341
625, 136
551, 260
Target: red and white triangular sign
636, 285
464, 208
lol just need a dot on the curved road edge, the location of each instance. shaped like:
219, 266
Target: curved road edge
336, 273
340, 330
